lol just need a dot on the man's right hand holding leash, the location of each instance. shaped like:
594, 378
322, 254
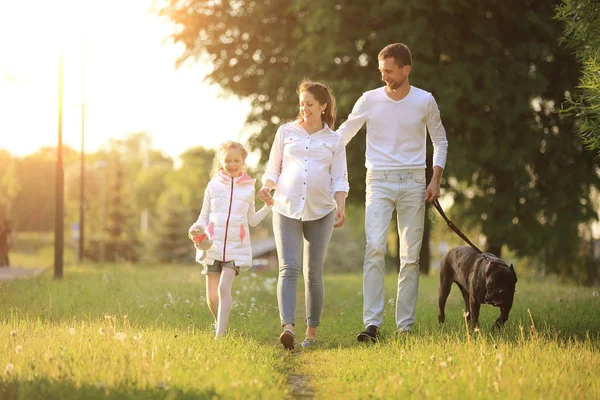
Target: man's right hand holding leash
432, 192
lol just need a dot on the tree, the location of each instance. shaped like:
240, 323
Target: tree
9, 189
191, 179
581, 19
121, 222
495, 68
150, 183
33, 208
96, 205
169, 241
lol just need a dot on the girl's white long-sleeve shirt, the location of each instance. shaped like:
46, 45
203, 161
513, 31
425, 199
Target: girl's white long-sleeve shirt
227, 210
397, 130
308, 170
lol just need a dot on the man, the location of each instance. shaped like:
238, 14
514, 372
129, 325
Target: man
398, 117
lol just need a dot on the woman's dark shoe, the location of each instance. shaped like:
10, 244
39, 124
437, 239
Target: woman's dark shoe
287, 339
370, 335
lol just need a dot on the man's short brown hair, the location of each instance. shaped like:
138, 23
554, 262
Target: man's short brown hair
399, 52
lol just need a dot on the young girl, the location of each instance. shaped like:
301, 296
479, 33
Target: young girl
227, 210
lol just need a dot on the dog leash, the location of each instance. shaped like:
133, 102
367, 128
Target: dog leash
438, 207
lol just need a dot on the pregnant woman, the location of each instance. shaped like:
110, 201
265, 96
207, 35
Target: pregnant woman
307, 169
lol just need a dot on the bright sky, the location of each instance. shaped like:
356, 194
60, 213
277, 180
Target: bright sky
132, 83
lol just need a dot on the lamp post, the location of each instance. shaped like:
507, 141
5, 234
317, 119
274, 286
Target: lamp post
82, 172
59, 228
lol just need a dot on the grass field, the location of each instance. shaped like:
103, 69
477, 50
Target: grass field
128, 332
36, 250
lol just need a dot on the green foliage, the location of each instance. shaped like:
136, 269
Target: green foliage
495, 68
122, 179
150, 183
581, 19
168, 239
34, 206
346, 250
191, 178
121, 232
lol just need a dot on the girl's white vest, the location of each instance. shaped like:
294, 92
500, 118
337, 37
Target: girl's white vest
231, 209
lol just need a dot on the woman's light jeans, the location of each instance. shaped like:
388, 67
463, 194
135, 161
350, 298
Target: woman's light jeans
405, 191
291, 237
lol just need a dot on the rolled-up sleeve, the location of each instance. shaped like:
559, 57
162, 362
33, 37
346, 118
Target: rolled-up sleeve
275, 159
437, 134
339, 169
355, 120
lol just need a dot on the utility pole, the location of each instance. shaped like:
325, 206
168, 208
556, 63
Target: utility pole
59, 228
145, 216
82, 172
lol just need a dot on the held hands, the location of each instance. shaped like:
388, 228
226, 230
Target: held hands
340, 212
265, 195
340, 218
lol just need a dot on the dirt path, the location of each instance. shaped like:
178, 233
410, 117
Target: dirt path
10, 273
300, 385
300, 382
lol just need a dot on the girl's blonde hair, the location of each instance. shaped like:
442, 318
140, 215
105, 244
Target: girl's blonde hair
228, 145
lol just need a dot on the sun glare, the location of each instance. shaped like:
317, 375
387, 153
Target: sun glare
131, 82
29, 66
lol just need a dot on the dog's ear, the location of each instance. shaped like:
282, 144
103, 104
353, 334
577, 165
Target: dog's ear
488, 268
512, 269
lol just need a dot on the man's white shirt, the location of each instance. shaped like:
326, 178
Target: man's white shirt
397, 130
308, 171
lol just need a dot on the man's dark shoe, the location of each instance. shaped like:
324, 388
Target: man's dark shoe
370, 335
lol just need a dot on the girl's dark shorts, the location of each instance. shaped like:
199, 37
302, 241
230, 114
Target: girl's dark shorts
218, 266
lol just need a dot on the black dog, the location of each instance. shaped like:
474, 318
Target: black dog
481, 278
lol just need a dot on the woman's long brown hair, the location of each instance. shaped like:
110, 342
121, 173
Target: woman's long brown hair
323, 95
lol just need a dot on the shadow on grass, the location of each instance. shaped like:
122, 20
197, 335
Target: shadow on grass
47, 389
